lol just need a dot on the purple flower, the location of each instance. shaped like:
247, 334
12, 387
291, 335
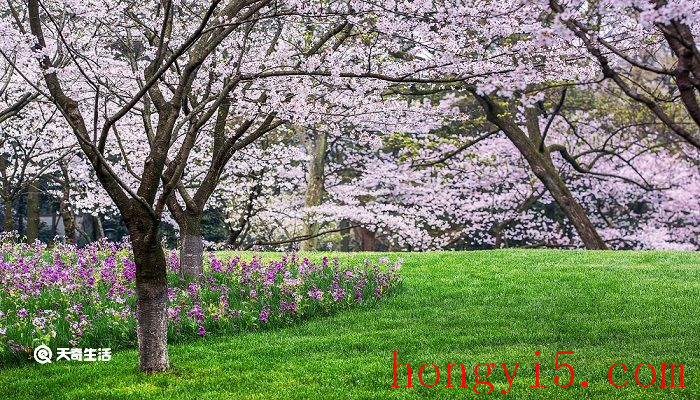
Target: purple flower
292, 281
192, 289
264, 314
197, 313
129, 270
15, 347
76, 308
288, 307
174, 313
96, 286
338, 293
216, 264
315, 293
38, 322
223, 300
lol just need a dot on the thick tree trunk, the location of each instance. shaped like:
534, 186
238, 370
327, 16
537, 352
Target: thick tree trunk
191, 247
151, 294
9, 219
545, 171
33, 211
314, 189
365, 238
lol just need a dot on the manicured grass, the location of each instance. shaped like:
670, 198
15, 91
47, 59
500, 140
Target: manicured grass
491, 306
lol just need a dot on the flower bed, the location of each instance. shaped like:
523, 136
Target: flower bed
70, 297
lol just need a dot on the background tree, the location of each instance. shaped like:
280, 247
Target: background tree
647, 48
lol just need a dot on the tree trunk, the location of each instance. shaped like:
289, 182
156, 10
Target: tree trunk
191, 247
54, 222
497, 232
236, 233
33, 211
98, 231
66, 209
151, 294
568, 204
9, 223
314, 189
142, 221
21, 217
345, 235
365, 238
545, 171
9, 219
549, 176
68, 221
231, 235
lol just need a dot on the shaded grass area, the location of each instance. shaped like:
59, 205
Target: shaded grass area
490, 306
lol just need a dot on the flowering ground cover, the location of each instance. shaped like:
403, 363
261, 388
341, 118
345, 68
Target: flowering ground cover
70, 297
467, 307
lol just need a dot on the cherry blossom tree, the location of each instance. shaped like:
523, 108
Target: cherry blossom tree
171, 103
646, 47
164, 81
32, 146
148, 63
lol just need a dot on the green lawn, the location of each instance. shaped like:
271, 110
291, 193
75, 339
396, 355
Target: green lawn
489, 306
